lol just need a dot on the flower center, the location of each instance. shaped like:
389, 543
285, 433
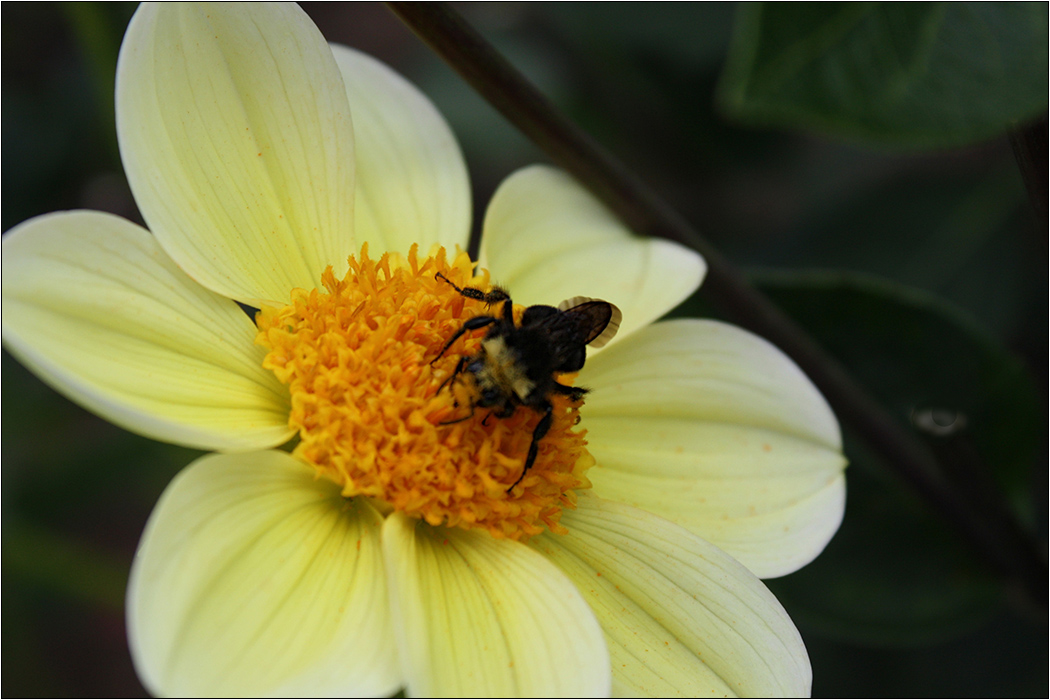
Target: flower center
379, 412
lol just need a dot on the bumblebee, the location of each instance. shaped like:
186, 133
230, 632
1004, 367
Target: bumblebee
517, 363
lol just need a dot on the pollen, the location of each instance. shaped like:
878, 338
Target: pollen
378, 412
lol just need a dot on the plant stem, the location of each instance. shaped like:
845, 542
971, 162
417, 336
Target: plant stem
445, 31
1030, 150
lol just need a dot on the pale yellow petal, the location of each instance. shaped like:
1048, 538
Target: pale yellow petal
547, 239
97, 310
715, 429
412, 184
236, 138
480, 617
254, 578
681, 618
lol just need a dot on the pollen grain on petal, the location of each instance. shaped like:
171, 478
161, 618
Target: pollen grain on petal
378, 418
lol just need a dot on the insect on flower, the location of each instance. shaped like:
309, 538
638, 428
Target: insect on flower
517, 362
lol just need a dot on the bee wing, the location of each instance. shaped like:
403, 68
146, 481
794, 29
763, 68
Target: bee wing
597, 320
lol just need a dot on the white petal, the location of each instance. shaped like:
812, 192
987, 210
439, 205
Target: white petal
96, 309
480, 617
412, 184
255, 578
547, 239
236, 138
681, 618
715, 429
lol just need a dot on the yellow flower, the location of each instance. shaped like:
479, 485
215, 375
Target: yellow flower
368, 561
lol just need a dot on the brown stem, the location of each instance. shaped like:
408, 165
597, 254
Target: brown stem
1030, 149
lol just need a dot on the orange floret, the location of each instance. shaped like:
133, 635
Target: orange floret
366, 401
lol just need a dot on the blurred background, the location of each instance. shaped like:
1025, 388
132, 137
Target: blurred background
890, 219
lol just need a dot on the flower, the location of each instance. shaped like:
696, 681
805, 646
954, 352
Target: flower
366, 561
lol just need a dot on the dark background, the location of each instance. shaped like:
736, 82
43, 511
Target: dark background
936, 300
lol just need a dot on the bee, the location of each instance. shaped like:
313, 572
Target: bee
517, 363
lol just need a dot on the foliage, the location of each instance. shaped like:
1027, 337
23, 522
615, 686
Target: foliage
918, 74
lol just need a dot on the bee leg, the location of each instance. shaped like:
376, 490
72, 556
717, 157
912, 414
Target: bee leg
541, 429
452, 377
575, 393
497, 294
459, 420
469, 325
508, 307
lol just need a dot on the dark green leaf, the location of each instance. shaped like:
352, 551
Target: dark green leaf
914, 74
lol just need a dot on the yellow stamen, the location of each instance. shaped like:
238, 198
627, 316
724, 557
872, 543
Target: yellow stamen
357, 356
